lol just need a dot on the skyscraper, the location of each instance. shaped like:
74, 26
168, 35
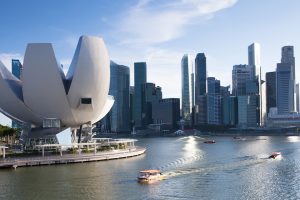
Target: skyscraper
200, 89
187, 90
131, 100
247, 115
213, 101
254, 62
230, 111
140, 78
119, 89
271, 90
297, 97
284, 88
118, 118
150, 95
240, 75
200, 74
167, 111
287, 57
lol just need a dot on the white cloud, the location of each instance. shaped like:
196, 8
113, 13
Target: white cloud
72, 41
152, 22
163, 68
143, 27
7, 57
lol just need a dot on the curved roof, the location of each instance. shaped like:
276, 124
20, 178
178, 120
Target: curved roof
44, 91
11, 101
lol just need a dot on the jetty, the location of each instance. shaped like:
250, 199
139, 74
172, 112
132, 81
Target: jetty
70, 158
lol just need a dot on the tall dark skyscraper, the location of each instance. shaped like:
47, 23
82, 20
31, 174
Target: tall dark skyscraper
150, 95
140, 78
284, 88
271, 90
200, 74
119, 89
285, 77
118, 118
200, 89
287, 58
167, 112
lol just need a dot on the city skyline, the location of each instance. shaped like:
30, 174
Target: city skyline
139, 40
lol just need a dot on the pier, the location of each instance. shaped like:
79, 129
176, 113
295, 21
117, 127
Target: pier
70, 158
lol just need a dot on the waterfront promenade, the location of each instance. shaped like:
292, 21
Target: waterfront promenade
70, 158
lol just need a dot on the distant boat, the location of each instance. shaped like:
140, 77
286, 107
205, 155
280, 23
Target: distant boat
209, 141
150, 175
275, 155
179, 132
237, 138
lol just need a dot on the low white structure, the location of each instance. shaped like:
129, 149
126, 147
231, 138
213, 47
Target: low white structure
276, 120
45, 97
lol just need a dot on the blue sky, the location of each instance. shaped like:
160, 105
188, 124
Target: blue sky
156, 31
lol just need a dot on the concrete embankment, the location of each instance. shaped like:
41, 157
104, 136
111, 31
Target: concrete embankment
70, 158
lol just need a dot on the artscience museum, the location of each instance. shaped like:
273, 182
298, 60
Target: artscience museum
46, 101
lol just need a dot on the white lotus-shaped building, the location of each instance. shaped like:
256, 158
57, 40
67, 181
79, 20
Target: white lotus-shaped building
44, 94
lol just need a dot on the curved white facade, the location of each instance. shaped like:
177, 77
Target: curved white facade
44, 91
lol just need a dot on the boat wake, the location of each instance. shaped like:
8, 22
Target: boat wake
180, 162
215, 167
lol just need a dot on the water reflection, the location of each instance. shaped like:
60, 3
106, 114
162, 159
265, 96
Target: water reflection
229, 169
293, 138
191, 150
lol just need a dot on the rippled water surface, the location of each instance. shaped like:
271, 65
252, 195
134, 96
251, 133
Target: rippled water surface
228, 169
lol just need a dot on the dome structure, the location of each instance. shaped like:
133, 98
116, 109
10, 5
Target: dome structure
44, 92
